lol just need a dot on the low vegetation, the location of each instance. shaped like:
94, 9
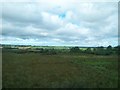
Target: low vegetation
60, 68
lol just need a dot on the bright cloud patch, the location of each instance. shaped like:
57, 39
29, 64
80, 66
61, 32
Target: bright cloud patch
60, 23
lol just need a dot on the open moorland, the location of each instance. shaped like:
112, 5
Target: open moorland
26, 69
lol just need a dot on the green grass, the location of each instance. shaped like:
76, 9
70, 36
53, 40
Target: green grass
50, 47
83, 49
33, 70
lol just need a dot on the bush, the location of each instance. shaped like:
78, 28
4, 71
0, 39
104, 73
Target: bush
49, 51
75, 50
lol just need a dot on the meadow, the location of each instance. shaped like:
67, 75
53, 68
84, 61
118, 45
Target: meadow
35, 70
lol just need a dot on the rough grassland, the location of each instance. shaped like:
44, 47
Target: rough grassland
32, 70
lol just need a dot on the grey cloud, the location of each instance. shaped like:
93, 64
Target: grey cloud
79, 25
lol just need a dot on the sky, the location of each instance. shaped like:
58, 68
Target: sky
59, 22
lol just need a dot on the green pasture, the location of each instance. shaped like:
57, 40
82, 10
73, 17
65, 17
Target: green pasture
33, 70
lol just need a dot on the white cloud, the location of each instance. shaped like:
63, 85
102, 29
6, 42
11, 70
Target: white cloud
51, 20
58, 22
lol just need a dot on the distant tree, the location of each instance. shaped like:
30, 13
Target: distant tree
117, 49
75, 50
94, 50
99, 51
88, 50
109, 47
49, 51
41, 50
52, 51
109, 50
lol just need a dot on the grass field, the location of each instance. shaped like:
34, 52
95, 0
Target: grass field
50, 47
33, 70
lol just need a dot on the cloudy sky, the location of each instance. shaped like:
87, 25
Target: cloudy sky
59, 22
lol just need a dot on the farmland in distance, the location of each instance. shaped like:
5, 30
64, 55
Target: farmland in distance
66, 70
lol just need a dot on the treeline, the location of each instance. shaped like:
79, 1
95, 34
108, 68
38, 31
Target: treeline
73, 50
98, 50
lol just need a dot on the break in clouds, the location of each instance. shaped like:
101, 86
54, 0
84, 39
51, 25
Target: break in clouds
60, 22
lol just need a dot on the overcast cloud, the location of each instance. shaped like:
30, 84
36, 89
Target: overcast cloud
59, 22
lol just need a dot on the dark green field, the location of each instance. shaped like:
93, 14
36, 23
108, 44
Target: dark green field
33, 70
